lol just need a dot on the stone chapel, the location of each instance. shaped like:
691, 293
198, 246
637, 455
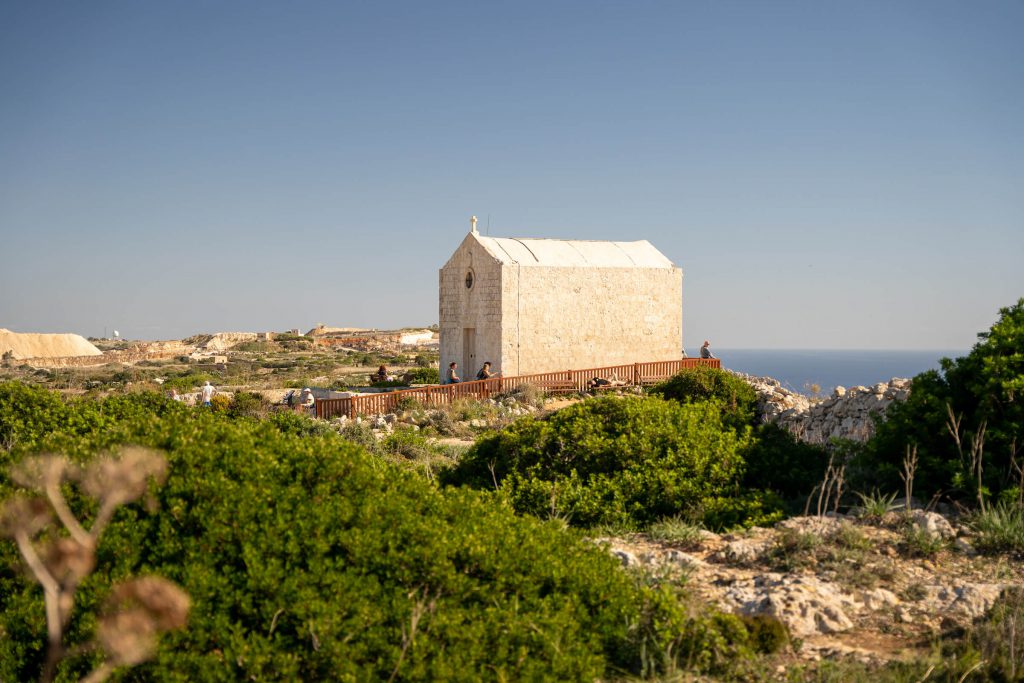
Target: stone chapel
540, 305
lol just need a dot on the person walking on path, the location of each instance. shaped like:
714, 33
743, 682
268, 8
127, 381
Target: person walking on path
207, 393
705, 351
453, 375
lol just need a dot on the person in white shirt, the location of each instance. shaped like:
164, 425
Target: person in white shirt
207, 394
308, 400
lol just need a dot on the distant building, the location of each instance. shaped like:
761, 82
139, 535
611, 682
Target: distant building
540, 305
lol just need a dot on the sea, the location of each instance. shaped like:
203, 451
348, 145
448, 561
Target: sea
802, 370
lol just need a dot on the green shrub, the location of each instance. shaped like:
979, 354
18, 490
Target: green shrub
422, 375
776, 460
249, 404
190, 381
619, 461
997, 639
917, 542
307, 559
875, 505
675, 531
737, 399
999, 528
985, 387
767, 634
742, 509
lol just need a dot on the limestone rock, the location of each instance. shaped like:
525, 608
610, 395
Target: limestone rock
967, 601
805, 604
879, 598
934, 524
742, 551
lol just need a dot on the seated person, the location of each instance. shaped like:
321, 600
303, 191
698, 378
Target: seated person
452, 376
308, 400
485, 371
381, 375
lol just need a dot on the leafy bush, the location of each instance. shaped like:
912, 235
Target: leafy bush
249, 404
776, 460
738, 399
619, 461
424, 375
985, 388
309, 560
189, 381
742, 509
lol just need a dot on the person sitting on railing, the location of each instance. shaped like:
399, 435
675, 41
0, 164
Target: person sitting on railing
485, 371
705, 351
452, 376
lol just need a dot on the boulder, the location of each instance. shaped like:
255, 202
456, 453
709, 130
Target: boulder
933, 524
807, 605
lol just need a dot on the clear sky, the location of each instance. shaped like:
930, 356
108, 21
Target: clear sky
827, 174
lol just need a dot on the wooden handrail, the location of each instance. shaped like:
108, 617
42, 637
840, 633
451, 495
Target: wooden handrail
636, 374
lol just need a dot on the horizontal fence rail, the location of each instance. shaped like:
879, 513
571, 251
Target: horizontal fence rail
561, 382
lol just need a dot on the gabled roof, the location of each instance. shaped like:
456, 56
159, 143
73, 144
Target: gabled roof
574, 253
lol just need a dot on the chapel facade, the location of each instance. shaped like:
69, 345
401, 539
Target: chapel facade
542, 305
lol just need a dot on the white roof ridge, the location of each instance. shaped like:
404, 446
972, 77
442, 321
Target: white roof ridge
547, 251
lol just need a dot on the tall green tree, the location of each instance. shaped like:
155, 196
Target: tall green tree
978, 398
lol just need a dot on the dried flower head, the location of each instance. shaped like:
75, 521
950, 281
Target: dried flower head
69, 561
122, 479
21, 514
40, 471
136, 611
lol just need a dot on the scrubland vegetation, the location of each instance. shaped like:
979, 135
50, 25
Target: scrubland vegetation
285, 362
312, 552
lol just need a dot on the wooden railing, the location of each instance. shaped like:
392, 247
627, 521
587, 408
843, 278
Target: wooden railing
561, 382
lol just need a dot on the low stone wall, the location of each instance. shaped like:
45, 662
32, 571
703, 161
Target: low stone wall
125, 356
846, 414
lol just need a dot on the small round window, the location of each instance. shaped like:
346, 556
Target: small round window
469, 279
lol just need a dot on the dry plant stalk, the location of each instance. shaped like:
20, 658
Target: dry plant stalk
977, 452
978, 461
1018, 469
419, 608
953, 425
830, 490
907, 474
59, 562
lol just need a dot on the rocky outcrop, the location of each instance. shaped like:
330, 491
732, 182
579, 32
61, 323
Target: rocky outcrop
846, 414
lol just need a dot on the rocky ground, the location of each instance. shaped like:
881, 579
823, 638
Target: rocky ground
845, 587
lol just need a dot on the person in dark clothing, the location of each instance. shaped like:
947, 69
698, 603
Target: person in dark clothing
705, 351
485, 371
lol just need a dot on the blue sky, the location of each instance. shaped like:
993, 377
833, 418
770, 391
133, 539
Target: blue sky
828, 175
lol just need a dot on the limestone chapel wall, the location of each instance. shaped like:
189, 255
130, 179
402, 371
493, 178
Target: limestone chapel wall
470, 310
